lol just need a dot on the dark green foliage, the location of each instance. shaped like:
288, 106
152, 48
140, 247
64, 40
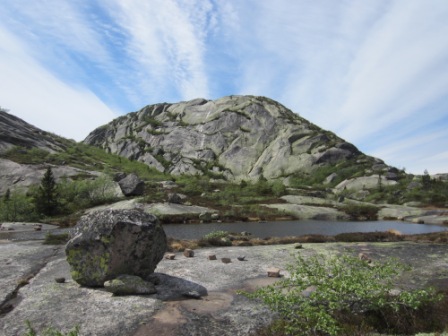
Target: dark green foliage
432, 192
56, 239
17, 207
368, 237
361, 211
46, 196
344, 170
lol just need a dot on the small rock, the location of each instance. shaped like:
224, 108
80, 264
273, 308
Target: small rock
298, 246
308, 291
242, 258
174, 198
226, 260
211, 257
170, 256
274, 272
189, 253
60, 280
364, 257
192, 295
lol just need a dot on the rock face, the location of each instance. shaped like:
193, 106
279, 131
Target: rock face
16, 132
110, 243
132, 185
15, 176
233, 138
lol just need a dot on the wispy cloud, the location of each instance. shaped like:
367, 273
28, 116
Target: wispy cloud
166, 42
43, 100
375, 72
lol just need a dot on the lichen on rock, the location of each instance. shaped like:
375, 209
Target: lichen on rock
106, 244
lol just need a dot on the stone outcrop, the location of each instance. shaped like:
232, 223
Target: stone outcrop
132, 185
110, 243
15, 176
233, 138
17, 132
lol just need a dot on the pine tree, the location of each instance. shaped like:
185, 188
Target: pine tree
46, 199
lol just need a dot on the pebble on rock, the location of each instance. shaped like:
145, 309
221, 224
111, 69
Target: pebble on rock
170, 256
189, 253
274, 272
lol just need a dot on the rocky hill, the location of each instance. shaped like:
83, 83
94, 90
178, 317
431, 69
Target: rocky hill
235, 138
17, 132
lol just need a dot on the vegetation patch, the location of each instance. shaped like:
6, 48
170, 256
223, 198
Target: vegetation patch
361, 211
56, 238
343, 295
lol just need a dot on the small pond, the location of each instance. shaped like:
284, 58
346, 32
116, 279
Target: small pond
296, 228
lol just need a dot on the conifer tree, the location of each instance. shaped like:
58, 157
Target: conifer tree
46, 199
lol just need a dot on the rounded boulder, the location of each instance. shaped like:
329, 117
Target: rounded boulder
109, 243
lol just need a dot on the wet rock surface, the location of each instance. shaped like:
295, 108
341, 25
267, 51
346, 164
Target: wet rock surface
218, 310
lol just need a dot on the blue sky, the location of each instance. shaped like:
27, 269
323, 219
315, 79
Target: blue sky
375, 72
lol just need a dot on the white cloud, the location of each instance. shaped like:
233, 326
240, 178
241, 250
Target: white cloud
166, 42
35, 95
375, 72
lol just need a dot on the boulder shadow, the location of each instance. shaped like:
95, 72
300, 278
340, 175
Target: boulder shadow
171, 288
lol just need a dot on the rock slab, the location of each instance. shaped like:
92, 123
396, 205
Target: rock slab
109, 243
129, 285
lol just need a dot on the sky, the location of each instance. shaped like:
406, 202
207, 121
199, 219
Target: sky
375, 72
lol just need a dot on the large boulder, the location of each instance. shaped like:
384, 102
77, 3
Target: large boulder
132, 185
110, 243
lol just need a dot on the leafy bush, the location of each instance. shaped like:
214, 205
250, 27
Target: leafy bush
321, 293
17, 207
56, 239
215, 238
76, 195
361, 211
216, 234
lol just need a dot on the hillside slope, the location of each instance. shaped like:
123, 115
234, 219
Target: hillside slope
234, 138
17, 132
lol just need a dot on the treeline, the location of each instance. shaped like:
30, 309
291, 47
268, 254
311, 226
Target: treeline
51, 198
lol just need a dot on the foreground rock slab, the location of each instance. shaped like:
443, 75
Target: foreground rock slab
219, 311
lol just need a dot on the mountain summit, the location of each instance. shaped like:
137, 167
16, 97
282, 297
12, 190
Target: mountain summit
234, 137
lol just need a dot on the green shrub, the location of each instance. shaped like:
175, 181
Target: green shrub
322, 293
361, 211
216, 234
17, 207
56, 239
215, 238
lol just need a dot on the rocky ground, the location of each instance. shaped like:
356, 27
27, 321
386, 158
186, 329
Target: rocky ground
28, 289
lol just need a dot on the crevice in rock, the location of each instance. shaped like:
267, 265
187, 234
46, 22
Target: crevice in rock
12, 299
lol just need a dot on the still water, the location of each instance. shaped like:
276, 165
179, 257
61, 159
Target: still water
296, 228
